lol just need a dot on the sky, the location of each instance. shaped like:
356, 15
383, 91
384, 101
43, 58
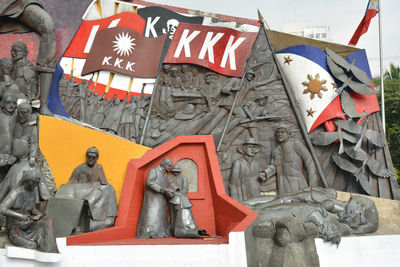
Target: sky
342, 17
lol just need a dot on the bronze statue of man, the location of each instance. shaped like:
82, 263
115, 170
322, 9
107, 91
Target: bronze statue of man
288, 159
88, 182
25, 225
90, 171
182, 221
31, 13
26, 127
244, 183
24, 72
7, 121
153, 220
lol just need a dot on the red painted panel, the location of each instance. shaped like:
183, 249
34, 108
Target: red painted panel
213, 210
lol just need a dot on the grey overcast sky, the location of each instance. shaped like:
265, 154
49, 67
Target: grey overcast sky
342, 17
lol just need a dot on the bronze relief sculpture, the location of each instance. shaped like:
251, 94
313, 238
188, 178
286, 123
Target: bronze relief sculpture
165, 193
88, 182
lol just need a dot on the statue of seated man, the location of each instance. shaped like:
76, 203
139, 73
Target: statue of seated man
88, 182
25, 224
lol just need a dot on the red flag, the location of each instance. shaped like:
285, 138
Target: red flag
372, 10
223, 50
81, 44
125, 51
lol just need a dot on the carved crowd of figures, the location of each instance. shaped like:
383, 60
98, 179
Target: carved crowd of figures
124, 118
23, 188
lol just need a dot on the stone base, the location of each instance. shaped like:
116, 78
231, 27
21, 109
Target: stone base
232, 254
389, 213
366, 251
23, 254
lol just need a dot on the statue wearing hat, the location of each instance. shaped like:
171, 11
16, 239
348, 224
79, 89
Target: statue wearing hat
244, 183
182, 221
288, 159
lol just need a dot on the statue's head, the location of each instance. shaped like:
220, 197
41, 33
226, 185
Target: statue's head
209, 77
6, 65
92, 155
18, 51
330, 233
282, 237
184, 68
261, 100
9, 103
176, 169
282, 133
250, 75
166, 68
174, 72
354, 215
251, 147
20, 147
30, 178
167, 164
24, 112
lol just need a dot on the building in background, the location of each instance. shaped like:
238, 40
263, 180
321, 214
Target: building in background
303, 29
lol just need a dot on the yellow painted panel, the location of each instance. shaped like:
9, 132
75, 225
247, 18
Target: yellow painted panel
64, 146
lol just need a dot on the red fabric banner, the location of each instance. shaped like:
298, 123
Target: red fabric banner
223, 50
125, 51
372, 10
83, 40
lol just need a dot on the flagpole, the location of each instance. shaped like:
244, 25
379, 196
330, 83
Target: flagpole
296, 110
381, 67
235, 99
163, 53
149, 110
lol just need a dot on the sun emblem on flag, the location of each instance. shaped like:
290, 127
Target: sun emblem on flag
124, 44
314, 86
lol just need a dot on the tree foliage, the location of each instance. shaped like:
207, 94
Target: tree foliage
392, 111
393, 73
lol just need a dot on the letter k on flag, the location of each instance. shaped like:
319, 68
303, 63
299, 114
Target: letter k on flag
221, 49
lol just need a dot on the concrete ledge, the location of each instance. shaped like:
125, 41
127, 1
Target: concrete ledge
366, 251
31, 254
232, 254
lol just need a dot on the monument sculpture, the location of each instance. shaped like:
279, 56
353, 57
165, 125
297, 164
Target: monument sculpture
88, 182
25, 224
22, 149
292, 221
234, 89
24, 73
7, 123
26, 127
153, 221
182, 221
244, 183
287, 161
163, 190
31, 14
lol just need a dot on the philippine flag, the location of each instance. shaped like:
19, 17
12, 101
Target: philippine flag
372, 10
314, 87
